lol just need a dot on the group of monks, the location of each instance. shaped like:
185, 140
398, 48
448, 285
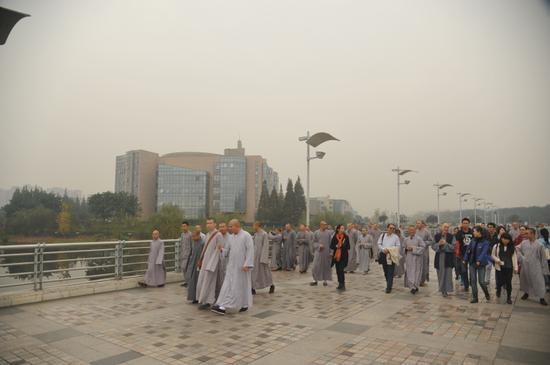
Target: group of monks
224, 268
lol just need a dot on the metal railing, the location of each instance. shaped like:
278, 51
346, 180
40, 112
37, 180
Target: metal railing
43, 265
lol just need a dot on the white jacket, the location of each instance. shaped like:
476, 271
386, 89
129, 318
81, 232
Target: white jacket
497, 261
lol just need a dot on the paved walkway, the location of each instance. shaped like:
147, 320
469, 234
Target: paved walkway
298, 324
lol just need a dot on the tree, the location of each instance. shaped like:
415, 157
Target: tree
289, 203
27, 198
431, 219
382, 218
167, 220
64, 219
299, 201
34, 221
276, 208
264, 209
108, 205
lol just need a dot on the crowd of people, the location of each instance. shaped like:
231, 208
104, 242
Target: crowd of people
224, 268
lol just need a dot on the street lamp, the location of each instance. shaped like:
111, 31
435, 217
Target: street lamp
314, 141
460, 200
475, 209
439, 194
486, 205
399, 172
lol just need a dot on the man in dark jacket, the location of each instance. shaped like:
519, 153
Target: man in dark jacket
477, 256
463, 238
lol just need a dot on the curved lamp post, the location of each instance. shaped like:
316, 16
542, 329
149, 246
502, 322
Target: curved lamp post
439, 194
314, 141
8, 19
461, 199
400, 172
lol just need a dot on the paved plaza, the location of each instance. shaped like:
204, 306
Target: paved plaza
298, 324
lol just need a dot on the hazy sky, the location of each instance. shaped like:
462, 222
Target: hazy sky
459, 90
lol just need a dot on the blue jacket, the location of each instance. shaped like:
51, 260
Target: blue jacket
481, 254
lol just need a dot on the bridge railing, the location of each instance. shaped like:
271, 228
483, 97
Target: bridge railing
43, 265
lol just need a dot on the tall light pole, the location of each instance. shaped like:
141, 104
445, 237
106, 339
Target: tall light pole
475, 209
486, 206
314, 141
461, 197
399, 172
439, 187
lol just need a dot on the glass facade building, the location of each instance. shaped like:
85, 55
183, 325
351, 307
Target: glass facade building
184, 188
229, 185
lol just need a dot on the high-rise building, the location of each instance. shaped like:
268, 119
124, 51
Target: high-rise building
201, 184
319, 205
136, 174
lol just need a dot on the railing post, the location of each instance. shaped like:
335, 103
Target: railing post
41, 264
35, 271
121, 259
117, 260
177, 258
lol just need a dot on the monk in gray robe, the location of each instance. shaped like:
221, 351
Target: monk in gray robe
322, 258
209, 266
192, 273
353, 234
222, 228
400, 266
155, 275
261, 274
288, 254
444, 261
275, 241
375, 232
414, 248
309, 234
363, 246
302, 238
185, 250
423, 232
236, 290
534, 266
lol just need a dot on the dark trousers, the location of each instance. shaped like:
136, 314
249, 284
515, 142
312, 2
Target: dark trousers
388, 273
504, 279
463, 271
340, 273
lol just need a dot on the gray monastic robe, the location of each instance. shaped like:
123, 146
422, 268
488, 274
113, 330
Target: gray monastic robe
288, 254
444, 274
426, 236
322, 257
275, 241
185, 252
222, 268
302, 238
363, 247
533, 268
413, 261
236, 290
192, 273
352, 259
208, 275
400, 266
375, 233
261, 274
155, 274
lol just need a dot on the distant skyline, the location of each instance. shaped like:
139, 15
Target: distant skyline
456, 90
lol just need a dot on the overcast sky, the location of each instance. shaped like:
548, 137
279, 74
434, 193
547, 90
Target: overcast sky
458, 90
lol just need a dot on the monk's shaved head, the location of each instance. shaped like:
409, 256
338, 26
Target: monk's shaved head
234, 223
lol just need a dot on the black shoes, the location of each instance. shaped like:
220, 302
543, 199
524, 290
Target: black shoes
253, 292
543, 302
474, 300
194, 302
324, 283
388, 290
243, 309
444, 294
414, 290
524, 296
204, 306
341, 287
142, 284
272, 289
218, 310
184, 285
509, 301
313, 283
498, 293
